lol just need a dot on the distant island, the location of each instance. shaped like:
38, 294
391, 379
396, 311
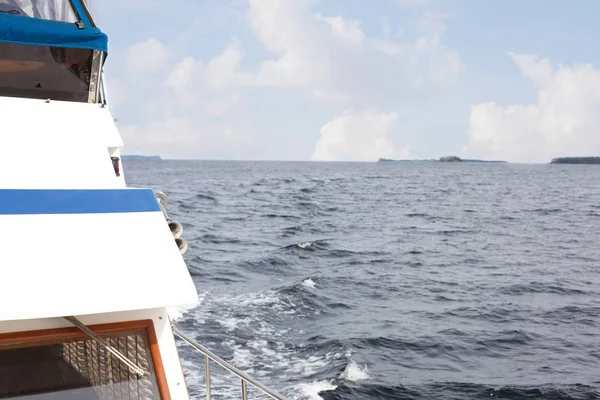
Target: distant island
139, 157
448, 159
576, 160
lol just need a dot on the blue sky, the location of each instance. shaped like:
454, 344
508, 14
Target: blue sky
354, 80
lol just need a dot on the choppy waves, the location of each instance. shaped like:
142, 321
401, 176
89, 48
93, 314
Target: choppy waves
372, 281
251, 330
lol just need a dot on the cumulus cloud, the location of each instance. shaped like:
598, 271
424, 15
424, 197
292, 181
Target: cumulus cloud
157, 136
348, 30
333, 58
327, 57
148, 56
219, 106
565, 120
180, 137
218, 75
360, 136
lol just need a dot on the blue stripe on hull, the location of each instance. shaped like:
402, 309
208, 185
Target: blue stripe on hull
36, 202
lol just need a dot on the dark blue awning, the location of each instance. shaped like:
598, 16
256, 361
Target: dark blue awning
23, 29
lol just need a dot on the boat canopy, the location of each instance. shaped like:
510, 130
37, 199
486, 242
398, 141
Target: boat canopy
52, 23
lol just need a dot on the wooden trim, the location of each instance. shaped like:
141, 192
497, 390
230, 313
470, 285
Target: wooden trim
161, 378
59, 335
45, 337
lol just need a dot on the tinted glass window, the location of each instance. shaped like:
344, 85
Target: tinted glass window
54, 10
45, 72
79, 369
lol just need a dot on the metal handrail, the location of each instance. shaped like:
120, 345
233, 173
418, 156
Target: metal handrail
208, 355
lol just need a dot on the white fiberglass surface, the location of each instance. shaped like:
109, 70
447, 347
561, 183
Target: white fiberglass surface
54, 10
71, 145
88, 264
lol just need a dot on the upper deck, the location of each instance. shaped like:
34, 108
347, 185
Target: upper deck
50, 49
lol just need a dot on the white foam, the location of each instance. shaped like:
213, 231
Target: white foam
230, 323
263, 347
193, 376
310, 391
242, 358
304, 245
355, 372
304, 366
178, 312
268, 298
246, 311
308, 283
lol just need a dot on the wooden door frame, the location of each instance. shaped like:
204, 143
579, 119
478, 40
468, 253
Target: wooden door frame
44, 337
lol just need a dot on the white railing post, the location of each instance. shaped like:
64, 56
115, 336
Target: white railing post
207, 375
244, 390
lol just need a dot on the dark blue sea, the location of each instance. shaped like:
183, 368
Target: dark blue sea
344, 281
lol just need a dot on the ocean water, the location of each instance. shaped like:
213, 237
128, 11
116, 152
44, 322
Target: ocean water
390, 281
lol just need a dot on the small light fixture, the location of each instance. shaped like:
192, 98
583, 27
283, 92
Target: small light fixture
116, 166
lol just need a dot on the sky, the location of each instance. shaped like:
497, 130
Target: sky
354, 80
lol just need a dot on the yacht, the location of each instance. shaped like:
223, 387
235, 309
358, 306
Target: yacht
89, 267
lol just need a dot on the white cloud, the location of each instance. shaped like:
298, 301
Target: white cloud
330, 58
346, 30
181, 137
181, 76
297, 37
161, 136
149, 56
313, 54
358, 137
564, 121
218, 75
219, 106
385, 27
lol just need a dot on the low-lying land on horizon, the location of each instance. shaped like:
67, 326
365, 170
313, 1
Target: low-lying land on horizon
455, 159
446, 159
449, 159
576, 160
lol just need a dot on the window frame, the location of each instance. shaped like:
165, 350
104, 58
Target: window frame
44, 56
45, 337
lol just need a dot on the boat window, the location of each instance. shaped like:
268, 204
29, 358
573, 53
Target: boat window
54, 10
45, 72
74, 366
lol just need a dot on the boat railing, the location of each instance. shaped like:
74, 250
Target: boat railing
103, 92
244, 378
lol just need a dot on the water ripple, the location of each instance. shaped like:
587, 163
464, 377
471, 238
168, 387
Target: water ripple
348, 281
